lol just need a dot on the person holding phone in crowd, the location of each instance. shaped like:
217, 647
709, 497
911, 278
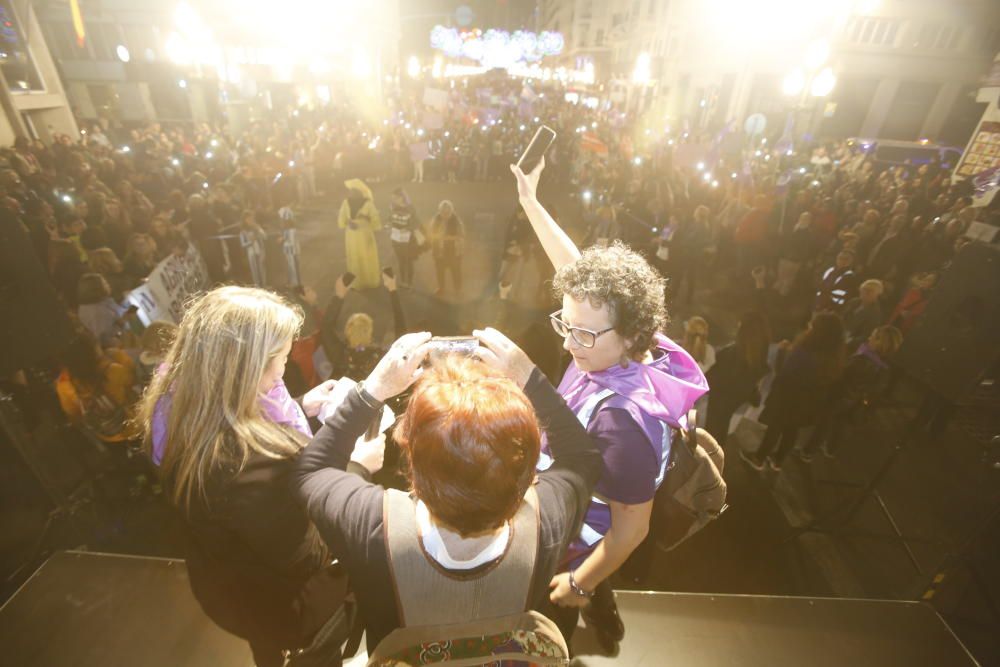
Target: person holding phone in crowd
355, 353
629, 384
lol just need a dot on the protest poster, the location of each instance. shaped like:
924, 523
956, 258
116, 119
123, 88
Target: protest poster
436, 98
169, 286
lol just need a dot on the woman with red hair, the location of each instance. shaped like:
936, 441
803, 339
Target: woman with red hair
480, 534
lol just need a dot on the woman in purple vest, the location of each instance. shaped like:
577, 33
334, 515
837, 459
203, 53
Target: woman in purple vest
629, 384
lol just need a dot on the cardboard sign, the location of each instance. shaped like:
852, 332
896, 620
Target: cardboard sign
169, 286
436, 98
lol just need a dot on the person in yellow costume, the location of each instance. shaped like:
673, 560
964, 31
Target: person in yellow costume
360, 218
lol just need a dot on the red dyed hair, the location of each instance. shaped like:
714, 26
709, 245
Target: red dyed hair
472, 440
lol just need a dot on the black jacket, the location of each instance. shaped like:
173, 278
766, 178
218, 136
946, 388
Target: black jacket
348, 510
254, 560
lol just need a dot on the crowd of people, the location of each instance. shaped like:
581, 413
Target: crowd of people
835, 255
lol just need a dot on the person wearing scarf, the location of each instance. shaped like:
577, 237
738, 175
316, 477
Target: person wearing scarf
630, 386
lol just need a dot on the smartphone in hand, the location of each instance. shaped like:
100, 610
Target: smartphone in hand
540, 143
389, 272
348, 278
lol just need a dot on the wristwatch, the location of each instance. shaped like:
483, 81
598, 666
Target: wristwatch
575, 587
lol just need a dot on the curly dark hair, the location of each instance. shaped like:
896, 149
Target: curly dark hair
622, 279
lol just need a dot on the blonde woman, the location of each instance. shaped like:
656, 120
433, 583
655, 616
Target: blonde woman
696, 342
225, 433
353, 351
447, 237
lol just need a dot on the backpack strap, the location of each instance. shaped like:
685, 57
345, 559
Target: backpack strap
428, 594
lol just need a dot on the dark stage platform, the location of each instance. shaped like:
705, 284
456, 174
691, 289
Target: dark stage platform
103, 610
98, 610
750, 630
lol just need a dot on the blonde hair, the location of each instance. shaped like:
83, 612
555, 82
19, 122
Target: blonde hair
872, 284
885, 340
225, 342
359, 330
696, 337
104, 261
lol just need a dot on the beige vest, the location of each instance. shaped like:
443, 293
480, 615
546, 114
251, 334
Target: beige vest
427, 594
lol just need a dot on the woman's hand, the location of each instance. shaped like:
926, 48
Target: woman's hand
370, 453
527, 184
501, 353
561, 593
316, 397
389, 282
398, 369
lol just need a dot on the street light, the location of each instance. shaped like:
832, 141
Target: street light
642, 73
794, 82
823, 84
413, 67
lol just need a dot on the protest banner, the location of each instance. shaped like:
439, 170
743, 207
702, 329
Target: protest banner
169, 286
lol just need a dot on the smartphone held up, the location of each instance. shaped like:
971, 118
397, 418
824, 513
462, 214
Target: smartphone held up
540, 143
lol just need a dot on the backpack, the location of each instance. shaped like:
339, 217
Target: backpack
693, 492
527, 638
438, 633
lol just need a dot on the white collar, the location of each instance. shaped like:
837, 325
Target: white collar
434, 544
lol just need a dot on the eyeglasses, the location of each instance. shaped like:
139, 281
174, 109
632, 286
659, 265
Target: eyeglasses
583, 337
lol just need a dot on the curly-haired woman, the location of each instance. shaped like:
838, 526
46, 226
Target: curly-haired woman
629, 384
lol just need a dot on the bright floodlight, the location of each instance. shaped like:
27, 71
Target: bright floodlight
179, 50
793, 83
642, 74
122, 52
824, 82
413, 67
361, 66
816, 54
182, 83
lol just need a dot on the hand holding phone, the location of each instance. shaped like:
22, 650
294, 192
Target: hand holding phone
540, 143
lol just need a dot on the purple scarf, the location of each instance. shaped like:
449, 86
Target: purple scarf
865, 351
277, 405
653, 394
665, 389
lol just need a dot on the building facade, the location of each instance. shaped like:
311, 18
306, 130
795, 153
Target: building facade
34, 101
166, 60
904, 69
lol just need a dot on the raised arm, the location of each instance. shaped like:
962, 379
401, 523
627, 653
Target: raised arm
557, 244
332, 343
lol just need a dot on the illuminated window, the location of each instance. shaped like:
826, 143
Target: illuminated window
18, 65
872, 30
